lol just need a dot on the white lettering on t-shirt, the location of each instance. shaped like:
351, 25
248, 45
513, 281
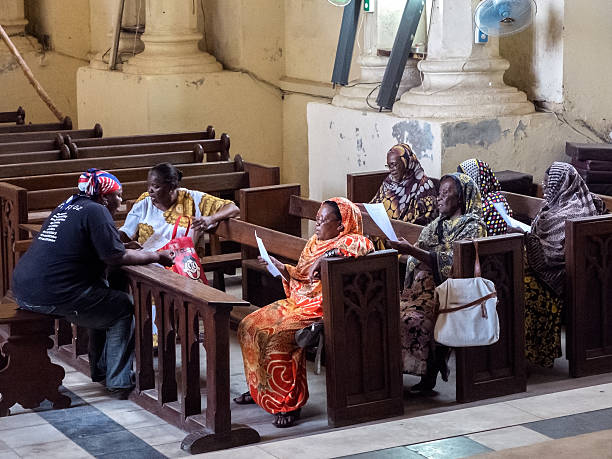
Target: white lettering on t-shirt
50, 232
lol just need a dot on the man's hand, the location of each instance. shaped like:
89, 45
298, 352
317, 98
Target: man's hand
166, 258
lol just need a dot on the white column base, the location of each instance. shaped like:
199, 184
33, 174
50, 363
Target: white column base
358, 94
14, 27
167, 54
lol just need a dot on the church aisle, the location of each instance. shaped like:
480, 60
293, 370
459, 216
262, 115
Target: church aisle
463, 432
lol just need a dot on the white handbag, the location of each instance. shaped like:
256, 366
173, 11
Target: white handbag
468, 311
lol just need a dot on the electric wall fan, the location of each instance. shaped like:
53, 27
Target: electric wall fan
339, 2
504, 17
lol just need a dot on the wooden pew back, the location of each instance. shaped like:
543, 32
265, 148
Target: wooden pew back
588, 255
17, 117
209, 133
499, 369
50, 135
66, 124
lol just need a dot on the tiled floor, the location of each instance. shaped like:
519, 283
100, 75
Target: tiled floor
100, 426
553, 408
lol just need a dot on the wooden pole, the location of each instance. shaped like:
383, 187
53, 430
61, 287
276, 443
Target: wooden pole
112, 63
30, 76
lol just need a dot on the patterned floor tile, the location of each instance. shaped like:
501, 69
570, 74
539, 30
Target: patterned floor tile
576, 424
449, 448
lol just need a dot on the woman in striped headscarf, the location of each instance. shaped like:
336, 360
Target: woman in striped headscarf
565, 196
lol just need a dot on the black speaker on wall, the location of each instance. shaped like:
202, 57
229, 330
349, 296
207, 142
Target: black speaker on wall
399, 53
346, 43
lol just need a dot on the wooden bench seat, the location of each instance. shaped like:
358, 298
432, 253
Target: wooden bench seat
27, 375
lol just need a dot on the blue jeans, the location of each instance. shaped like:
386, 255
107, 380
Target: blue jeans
109, 316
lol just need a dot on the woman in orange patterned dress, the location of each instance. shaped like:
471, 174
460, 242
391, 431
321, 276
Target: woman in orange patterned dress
274, 365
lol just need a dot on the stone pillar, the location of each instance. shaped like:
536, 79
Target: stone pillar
171, 41
358, 93
461, 79
12, 16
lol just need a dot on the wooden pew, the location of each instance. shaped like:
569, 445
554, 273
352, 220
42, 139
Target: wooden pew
32, 145
211, 149
209, 133
50, 135
485, 372
180, 304
17, 117
61, 139
109, 163
214, 149
360, 309
27, 375
65, 125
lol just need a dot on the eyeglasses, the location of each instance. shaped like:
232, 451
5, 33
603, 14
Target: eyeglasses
320, 222
392, 165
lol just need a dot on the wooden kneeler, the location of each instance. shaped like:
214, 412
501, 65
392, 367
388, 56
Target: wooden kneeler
27, 375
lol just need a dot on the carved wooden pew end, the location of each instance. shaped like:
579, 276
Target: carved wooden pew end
27, 375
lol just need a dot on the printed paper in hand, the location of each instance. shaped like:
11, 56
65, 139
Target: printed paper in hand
379, 215
264, 254
499, 206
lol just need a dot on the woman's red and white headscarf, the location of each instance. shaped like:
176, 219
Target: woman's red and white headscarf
95, 182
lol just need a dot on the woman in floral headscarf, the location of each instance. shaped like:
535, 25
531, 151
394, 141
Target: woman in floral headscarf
407, 193
274, 366
565, 196
429, 264
490, 191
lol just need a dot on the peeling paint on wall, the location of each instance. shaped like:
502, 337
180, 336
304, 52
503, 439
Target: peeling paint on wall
520, 132
361, 153
420, 138
482, 134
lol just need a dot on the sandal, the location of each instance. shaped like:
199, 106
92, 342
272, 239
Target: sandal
282, 420
244, 399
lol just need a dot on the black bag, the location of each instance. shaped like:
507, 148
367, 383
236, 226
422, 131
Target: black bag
309, 336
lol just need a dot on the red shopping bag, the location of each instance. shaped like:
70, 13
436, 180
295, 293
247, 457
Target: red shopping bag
186, 260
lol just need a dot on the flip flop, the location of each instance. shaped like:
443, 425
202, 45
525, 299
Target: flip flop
244, 399
283, 420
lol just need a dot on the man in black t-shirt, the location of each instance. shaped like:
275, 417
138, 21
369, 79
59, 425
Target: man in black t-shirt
63, 273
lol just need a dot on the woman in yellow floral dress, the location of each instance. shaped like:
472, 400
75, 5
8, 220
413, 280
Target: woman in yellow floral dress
274, 365
150, 222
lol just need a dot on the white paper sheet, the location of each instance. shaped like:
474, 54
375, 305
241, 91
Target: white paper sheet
499, 206
264, 254
379, 215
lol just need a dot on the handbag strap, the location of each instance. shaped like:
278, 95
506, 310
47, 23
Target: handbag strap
477, 272
480, 301
176, 225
